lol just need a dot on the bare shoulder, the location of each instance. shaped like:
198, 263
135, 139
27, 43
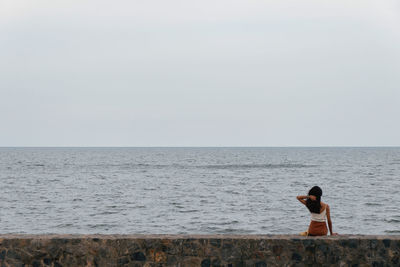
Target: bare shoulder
324, 206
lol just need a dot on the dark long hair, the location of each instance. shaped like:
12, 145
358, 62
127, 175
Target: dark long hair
314, 206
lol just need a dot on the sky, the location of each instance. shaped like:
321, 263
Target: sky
199, 73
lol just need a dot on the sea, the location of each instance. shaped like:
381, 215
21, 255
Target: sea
196, 190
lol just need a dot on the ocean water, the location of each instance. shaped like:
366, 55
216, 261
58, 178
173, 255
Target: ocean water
196, 190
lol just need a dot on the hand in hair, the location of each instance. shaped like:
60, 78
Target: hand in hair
313, 198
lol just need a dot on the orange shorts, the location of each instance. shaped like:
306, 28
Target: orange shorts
317, 228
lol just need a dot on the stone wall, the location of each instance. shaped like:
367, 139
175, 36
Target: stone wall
198, 250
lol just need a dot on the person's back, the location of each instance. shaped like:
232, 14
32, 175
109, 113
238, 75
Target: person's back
320, 213
318, 222
319, 217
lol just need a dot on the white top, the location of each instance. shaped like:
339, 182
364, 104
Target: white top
318, 217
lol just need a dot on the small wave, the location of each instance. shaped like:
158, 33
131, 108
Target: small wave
232, 192
35, 165
392, 220
392, 231
64, 225
256, 166
187, 211
227, 223
210, 166
149, 189
108, 212
372, 204
102, 225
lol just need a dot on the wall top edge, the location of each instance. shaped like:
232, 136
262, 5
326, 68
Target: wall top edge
180, 236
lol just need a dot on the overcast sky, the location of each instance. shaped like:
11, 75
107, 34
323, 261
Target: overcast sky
199, 73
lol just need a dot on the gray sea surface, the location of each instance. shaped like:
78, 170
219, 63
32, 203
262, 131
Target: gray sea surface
196, 190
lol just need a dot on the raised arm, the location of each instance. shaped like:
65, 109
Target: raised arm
328, 216
302, 199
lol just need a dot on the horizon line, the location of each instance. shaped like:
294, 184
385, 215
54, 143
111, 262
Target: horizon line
300, 146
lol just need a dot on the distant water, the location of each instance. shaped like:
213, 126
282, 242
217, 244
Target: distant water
196, 190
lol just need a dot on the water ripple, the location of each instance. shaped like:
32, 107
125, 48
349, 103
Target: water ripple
196, 190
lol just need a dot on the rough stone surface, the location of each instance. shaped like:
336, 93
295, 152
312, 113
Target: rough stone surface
198, 250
